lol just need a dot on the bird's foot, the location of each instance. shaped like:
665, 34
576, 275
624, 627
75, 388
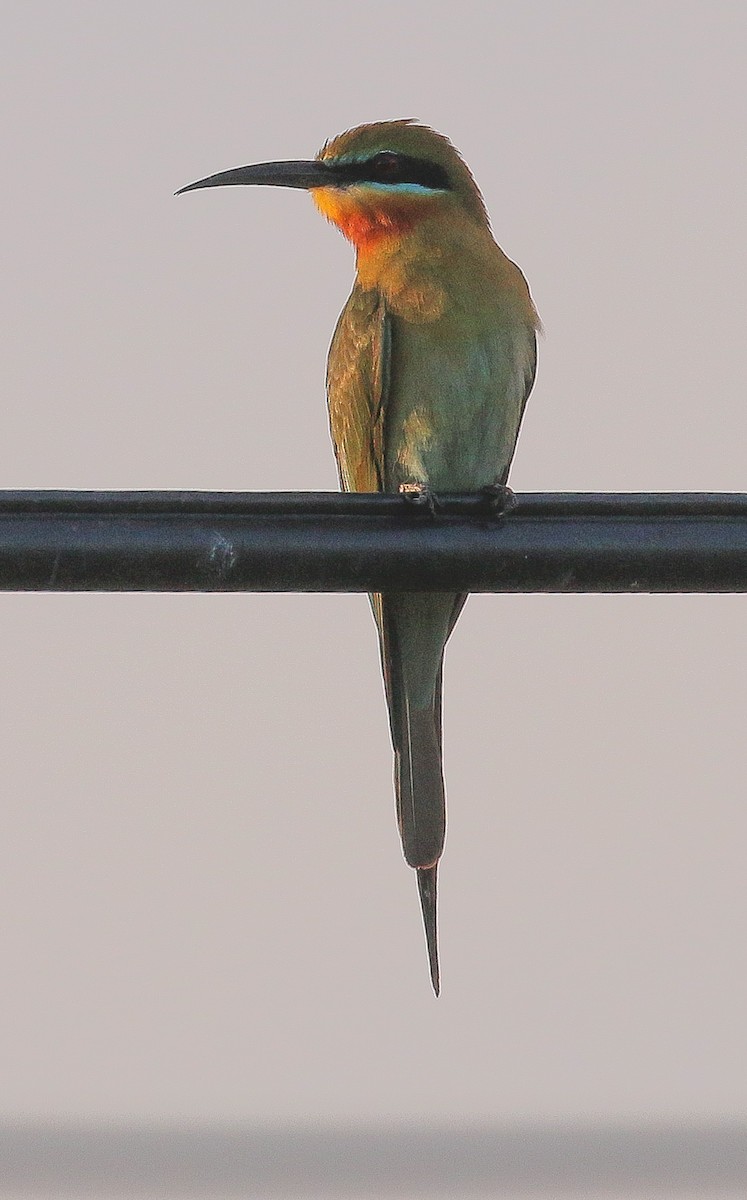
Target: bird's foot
419, 495
497, 499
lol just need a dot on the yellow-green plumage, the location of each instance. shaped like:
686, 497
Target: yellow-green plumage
429, 370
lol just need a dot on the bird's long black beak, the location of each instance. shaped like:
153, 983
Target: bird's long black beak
277, 174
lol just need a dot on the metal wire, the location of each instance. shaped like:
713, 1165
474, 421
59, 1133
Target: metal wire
328, 542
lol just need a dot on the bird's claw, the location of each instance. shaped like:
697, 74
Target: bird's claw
419, 495
498, 499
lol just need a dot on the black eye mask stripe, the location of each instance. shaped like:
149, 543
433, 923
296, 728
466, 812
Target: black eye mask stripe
392, 169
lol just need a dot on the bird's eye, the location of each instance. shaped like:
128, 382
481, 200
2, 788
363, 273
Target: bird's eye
386, 164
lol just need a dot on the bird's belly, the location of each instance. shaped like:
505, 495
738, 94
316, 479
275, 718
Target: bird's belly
454, 416
452, 456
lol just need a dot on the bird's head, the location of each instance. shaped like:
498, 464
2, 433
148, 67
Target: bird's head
390, 176
376, 181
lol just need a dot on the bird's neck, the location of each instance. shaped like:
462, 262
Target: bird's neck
439, 266
414, 264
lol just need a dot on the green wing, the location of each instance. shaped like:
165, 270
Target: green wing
357, 390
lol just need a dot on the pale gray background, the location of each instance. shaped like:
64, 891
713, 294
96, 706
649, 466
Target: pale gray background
206, 917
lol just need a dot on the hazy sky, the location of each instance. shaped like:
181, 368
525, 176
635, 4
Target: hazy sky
206, 913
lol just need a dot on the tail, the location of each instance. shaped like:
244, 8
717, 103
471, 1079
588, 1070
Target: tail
427, 877
414, 629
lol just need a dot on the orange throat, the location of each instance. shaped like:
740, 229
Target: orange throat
367, 223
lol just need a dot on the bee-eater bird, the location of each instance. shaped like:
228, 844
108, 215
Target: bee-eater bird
429, 370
